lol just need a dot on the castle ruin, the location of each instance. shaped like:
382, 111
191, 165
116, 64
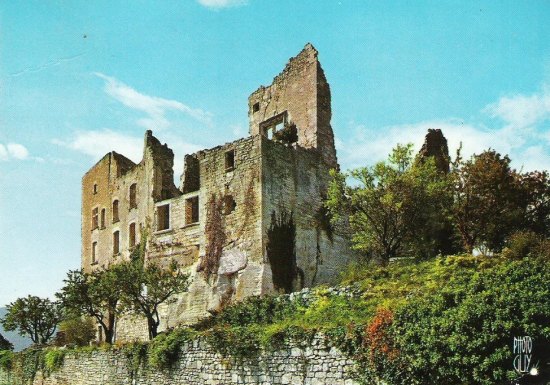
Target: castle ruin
248, 216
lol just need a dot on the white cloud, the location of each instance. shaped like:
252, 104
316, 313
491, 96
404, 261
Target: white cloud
3, 152
154, 107
17, 151
98, 143
217, 4
522, 134
522, 111
12, 151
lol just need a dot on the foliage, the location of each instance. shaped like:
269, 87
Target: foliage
535, 187
53, 359
144, 288
34, 317
236, 341
5, 344
6, 359
76, 331
95, 294
288, 134
165, 348
462, 332
393, 207
487, 203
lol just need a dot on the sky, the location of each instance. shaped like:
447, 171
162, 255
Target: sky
80, 78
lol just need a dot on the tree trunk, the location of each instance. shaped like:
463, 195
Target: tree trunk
152, 325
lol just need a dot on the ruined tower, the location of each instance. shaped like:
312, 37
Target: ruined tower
248, 217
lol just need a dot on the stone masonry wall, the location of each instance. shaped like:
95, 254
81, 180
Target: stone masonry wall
294, 181
198, 364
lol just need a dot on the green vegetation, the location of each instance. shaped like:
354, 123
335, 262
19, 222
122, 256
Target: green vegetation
5, 344
395, 207
34, 317
75, 331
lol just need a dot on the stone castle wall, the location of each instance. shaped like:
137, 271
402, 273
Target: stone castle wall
198, 364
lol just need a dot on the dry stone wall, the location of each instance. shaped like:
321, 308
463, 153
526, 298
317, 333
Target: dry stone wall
198, 364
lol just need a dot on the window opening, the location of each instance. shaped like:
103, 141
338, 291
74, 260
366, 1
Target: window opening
163, 217
271, 126
102, 218
115, 211
229, 204
116, 242
95, 218
95, 188
133, 200
94, 252
192, 210
132, 235
256, 107
229, 160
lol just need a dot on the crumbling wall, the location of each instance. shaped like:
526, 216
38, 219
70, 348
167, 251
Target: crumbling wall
301, 95
235, 193
435, 145
295, 181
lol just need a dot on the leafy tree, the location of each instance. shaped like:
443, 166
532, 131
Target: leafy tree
487, 204
535, 187
5, 344
97, 294
147, 287
77, 331
394, 207
34, 317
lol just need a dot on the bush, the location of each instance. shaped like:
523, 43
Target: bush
165, 348
78, 331
463, 333
53, 359
6, 359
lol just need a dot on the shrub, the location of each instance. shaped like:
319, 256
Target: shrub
165, 348
6, 359
76, 331
53, 359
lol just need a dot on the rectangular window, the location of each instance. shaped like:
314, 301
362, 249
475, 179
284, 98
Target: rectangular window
273, 125
94, 252
133, 200
163, 217
115, 211
102, 218
116, 242
230, 160
95, 188
192, 210
132, 235
256, 107
95, 218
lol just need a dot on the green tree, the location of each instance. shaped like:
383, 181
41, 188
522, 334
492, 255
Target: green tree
535, 187
5, 344
394, 207
77, 331
487, 205
97, 294
34, 317
147, 287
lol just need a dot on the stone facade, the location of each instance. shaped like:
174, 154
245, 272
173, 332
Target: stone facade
248, 216
198, 364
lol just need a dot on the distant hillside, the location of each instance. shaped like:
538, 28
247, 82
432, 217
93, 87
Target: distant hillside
18, 342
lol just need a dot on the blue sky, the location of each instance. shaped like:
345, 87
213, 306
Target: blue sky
79, 78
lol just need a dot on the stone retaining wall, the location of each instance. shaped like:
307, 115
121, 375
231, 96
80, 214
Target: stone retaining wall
199, 364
